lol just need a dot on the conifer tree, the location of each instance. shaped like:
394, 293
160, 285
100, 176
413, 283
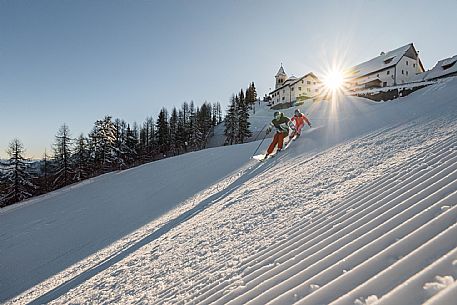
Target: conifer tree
163, 132
18, 177
120, 149
231, 122
103, 141
192, 141
186, 122
174, 143
181, 132
45, 173
147, 139
214, 115
203, 125
243, 118
251, 94
131, 143
81, 159
2, 183
62, 153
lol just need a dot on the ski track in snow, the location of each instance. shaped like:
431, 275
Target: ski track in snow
372, 220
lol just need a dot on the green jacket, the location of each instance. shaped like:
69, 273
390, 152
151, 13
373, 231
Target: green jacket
282, 124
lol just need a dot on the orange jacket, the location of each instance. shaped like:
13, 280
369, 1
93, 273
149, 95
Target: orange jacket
300, 120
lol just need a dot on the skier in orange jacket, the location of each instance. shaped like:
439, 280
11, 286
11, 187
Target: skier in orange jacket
299, 119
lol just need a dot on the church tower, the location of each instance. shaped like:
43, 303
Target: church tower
281, 77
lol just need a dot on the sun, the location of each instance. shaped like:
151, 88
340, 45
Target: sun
334, 80
335, 75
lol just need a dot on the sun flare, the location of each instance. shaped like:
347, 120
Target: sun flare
334, 80
335, 75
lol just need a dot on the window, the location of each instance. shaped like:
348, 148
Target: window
299, 88
406, 62
377, 75
292, 88
402, 71
388, 60
283, 90
308, 82
316, 90
414, 65
302, 81
314, 83
384, 84
448, 65
406, 72
283, 98
388, 72
309, 90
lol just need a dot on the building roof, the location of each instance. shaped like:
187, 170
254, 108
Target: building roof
281, 71
311, 74
442, 68
383, 61
293, 80
290, 80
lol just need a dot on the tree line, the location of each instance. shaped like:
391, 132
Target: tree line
236, 121
112, 144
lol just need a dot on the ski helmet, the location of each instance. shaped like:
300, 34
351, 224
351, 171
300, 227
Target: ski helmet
277, 114
297, 111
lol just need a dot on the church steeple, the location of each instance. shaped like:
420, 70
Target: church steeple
281, 77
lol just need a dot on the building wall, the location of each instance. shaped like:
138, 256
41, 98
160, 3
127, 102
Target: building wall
407, 68
282, 95
386, 76
306, 87
280, 79
402, 73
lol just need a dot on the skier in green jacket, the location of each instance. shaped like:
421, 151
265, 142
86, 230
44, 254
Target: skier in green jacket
282, 124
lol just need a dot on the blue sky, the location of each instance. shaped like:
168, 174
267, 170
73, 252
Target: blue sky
74, 62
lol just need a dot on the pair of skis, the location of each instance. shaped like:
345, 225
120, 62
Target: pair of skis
263, 157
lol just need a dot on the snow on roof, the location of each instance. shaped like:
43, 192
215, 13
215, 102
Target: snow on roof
448, 61
293, 80
381, 62
311, 74
370, 80
442, 68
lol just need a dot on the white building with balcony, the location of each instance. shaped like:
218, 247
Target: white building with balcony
396, 67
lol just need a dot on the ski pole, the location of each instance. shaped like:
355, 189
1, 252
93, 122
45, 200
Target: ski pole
259, 145
258, 134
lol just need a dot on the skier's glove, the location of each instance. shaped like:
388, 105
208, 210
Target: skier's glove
268, 130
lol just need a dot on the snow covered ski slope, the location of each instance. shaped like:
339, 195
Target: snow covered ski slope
362, 210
